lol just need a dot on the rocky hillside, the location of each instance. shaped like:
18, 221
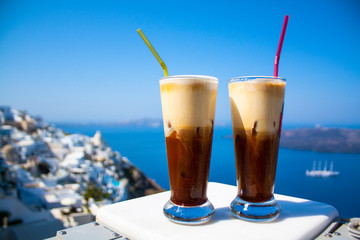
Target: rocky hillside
322, 139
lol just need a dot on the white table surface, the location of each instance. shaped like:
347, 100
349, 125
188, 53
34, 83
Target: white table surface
142, 218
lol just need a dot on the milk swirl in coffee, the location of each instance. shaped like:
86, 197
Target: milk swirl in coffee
188, 105
256, 109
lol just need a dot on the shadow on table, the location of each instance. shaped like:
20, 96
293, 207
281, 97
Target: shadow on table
288, 210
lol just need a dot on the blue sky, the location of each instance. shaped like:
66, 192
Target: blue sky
83, 61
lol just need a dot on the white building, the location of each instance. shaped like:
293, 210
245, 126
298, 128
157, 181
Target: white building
73, 159
75, 140
34, 222
7, 113
2, 118
98, 140
63, 197
5, 134
26, 147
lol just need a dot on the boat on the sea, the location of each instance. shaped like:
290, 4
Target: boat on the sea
322, 172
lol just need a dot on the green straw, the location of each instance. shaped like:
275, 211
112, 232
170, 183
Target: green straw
152, 49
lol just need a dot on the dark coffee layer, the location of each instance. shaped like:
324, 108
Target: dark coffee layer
188, 154
256, 155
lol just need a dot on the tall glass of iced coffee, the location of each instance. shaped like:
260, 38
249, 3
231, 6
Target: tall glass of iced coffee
256, 111
188, 106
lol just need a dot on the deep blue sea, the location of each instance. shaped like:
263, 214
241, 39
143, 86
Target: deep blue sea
145, 147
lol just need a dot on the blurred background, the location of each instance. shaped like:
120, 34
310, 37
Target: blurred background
80, 111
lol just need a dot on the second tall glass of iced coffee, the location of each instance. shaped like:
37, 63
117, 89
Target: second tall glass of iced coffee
256, 110
188, 106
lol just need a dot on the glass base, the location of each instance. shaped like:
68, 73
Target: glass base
255, 212
189, 214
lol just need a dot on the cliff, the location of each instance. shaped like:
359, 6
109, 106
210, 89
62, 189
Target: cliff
322, 139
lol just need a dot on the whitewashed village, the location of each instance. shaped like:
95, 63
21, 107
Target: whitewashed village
51, 180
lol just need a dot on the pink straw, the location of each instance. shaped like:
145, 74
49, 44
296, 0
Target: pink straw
282, 36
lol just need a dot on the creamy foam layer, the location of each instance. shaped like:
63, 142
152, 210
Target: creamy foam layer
257, 104
188, 102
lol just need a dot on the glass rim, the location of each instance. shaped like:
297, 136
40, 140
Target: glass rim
250, 78
196, 77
